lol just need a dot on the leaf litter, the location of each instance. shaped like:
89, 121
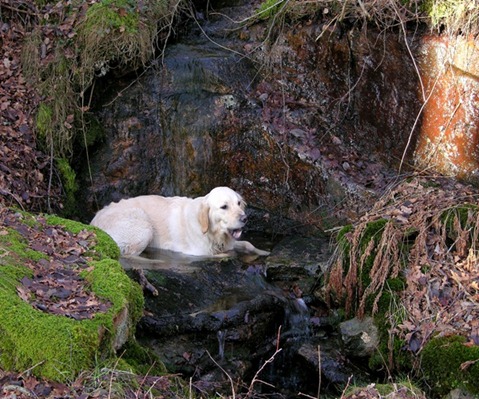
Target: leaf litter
56, 286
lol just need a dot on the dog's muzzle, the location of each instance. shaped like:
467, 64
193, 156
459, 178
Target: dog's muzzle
236, 233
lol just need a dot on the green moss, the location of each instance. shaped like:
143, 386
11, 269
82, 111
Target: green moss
268, 9
445, 365
70, 186
141, 360
108, 280
453, 15
14, 243
92, 133
407, 388
345, 230
44, 121
107, 15
461, 213
390, 346
57, 347
68, 176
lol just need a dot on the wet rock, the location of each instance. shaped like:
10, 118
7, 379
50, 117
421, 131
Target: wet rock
335, 367
210, 311
360, 336
298, 261
230, 314
450, 127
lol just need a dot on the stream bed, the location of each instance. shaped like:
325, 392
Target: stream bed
245, 324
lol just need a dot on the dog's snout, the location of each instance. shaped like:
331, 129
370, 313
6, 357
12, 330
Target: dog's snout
243, 218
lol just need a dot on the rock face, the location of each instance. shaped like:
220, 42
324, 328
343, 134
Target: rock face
450, 123
310, 127
306, 128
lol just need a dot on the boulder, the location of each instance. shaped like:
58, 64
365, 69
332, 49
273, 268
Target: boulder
360, 336
65, 302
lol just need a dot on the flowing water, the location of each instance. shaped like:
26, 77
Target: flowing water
230, 309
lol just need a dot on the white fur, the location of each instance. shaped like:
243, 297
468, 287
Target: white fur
201, 226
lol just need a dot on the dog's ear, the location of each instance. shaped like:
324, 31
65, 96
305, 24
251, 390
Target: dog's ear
204, 217
242, 202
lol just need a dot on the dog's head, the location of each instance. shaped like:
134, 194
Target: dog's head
223, 211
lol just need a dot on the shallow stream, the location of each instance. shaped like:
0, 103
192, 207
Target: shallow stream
248, 319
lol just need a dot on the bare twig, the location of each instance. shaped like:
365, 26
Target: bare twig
319, 370
346, 387
270, 360
403, 28
319, 383
227, 375
416, 121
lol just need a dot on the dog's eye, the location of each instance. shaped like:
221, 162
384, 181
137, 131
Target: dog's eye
239, 203
224, 207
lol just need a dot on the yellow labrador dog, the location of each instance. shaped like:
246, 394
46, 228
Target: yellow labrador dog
203, 226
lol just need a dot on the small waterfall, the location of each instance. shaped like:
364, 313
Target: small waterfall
221, 335
285, 372
296, 319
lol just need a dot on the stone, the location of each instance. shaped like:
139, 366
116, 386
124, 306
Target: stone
460, 394
360, 336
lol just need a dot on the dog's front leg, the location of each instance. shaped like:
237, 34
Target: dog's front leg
248, 248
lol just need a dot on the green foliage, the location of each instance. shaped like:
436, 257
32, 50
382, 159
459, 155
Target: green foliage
454, 16
70, 186
108, 15
449, 363
268, 8
44, 121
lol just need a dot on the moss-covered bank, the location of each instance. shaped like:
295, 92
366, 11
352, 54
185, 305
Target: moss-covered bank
56, 346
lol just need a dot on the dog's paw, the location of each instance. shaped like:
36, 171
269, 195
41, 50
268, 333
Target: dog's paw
260, 252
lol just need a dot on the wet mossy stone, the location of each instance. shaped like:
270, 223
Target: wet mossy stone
58, 347
449, 363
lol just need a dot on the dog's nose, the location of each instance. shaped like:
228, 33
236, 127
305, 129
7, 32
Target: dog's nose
243, 218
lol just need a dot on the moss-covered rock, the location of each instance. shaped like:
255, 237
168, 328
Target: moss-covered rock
55, 346
400, 390
449, 363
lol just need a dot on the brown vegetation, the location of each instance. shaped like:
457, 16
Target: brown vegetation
423, 232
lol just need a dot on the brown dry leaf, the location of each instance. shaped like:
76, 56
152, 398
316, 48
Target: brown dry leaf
464, 366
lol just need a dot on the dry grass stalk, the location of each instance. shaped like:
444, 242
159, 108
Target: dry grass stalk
424, 225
